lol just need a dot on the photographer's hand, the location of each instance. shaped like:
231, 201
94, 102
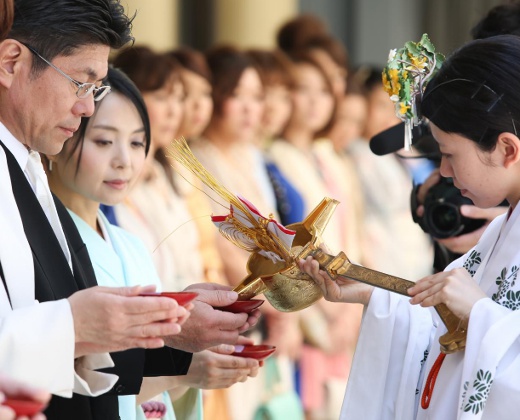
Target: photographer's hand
433, 179
463, 243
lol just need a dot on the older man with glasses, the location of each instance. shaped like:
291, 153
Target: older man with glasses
84, 90
55, 328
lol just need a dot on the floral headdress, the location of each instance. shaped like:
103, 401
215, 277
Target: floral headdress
405, 76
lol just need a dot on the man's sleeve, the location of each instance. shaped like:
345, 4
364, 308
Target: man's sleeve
37, 347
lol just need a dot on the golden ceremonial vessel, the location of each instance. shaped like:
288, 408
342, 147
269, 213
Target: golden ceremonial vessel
288, 289
273, 263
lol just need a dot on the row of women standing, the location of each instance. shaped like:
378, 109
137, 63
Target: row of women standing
266, 125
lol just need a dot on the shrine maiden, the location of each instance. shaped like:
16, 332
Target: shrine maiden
473, 106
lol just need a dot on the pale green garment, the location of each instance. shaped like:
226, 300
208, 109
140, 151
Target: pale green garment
122, 260
189, 406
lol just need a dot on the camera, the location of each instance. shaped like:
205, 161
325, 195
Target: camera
442, 218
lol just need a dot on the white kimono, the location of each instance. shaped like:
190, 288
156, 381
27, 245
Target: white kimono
400, 342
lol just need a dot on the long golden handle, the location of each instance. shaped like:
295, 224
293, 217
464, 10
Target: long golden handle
451, 342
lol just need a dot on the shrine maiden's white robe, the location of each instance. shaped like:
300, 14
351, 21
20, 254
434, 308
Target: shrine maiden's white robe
399, 343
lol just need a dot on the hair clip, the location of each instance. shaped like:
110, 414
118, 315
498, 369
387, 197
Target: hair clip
484, 85
496, 101
405, 76
477, 90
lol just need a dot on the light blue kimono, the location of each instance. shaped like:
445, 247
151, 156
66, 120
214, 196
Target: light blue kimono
121, 260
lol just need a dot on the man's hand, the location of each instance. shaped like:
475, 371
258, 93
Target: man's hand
208, 327
113, 319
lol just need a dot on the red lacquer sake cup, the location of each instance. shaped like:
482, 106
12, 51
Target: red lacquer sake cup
24, 407
258, 351
241, 306
182, 298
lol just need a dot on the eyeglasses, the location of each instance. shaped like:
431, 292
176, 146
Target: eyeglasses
84, 89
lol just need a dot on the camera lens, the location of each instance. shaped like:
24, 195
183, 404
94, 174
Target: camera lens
444, 220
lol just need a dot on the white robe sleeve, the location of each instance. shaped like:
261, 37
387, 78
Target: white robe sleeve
37, 347
391, 349
494, 343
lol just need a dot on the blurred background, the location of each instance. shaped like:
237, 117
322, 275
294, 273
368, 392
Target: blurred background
368, 28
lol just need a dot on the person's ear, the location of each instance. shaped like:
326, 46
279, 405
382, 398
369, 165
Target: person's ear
11, 59
509, 145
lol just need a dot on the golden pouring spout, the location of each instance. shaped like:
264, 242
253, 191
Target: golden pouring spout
288, 289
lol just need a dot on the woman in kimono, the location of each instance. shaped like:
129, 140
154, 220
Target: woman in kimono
82, 175
156, 209
229, 149
398, 371
330, 331
101, 164
274, 70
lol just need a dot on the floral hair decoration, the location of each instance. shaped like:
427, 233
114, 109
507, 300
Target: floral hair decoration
405, 77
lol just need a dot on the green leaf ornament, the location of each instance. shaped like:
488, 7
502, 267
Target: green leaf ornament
406, 74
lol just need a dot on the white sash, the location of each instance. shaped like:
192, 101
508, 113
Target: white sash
38, 179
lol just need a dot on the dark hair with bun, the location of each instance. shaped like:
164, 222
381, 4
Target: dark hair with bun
475, 93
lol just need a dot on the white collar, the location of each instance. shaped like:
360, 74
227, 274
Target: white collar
19, 151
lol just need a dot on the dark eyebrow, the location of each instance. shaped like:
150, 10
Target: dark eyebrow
110, 128
91, 73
